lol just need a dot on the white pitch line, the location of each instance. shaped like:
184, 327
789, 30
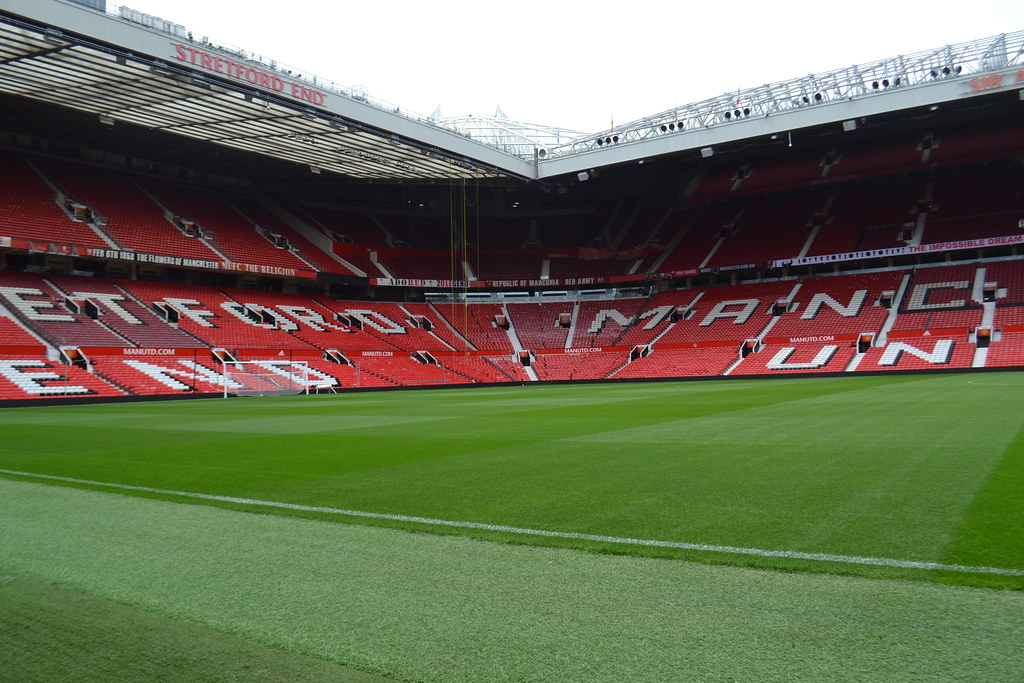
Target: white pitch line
758, 552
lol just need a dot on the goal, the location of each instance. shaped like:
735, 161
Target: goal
266, 378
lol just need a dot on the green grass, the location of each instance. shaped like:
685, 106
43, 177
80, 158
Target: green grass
923, 468
422, 607
919, 468
55, 634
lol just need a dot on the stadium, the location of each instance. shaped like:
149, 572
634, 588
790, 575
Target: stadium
717, 393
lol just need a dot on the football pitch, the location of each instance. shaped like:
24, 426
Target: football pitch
853, 528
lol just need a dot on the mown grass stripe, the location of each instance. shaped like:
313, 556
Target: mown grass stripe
758, 552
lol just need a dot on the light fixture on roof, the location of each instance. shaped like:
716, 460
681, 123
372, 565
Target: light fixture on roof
54, 37
106, 120
314, 168
583, 176
707, 152
849, 125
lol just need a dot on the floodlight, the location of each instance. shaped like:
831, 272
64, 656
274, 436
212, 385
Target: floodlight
707, 152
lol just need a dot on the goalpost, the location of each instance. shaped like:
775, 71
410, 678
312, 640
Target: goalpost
265, 378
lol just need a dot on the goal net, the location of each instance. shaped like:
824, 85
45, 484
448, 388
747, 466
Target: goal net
266, 378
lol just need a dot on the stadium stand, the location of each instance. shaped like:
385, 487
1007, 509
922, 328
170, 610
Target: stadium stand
703, 362
538, 324
286, 237
122, 313
775, 359
477, 324
596, 365
970, 206
768, 229
939, 298
223, 227
841, 305
130, 217
426, 316
58, 319
30, 208
731, 313
14, 334
504, 266
605, 322
1008, 352
884, 243
216, 318
920, 353
31, 378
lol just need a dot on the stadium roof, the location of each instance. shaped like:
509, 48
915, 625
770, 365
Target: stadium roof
844, 97
132, 68
151, 73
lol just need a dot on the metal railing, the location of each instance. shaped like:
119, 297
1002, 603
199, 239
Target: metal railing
871, 79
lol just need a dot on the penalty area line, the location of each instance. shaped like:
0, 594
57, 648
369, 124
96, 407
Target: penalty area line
569, 535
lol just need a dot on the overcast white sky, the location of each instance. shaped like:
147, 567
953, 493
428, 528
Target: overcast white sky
573, 64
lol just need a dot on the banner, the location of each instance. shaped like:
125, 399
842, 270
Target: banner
134, 352
61, 249
35, 246
980, 243
22, 350
824, 338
